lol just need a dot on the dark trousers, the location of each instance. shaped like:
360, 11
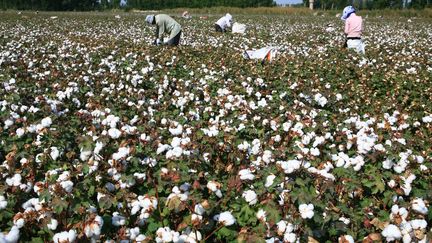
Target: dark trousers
218, 28
175, 40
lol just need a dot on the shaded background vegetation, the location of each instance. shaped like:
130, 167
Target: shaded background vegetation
86, 5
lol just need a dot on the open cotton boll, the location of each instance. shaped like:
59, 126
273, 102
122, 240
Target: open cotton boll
53, 224
3, 202
290, 237
250, 197
418, 224
269, 180
346, 239
117, 219
11, 237
199, 209
246, 174
177, 130
20, 132
14, 181
166, 235
65, 236
114, 133
85, 154
54, 153
94, 227
419, 206
391, 232
226, 218
67, 185
261, 215
46, 122
289, 166
306, 210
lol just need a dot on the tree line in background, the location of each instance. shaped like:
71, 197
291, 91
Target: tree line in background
370, 4
83, 5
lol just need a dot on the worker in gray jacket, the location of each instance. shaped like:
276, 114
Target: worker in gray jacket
165, 24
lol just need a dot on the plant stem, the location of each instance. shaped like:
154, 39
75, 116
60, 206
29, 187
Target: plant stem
214, 231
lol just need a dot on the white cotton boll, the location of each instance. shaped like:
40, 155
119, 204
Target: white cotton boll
199, 209
261, 215
338, 97
246, 174
54, 153
320, 99
212, 186
406, 238
162, 148
250, 197
391, 183
19, 223
85, 154
14, 181
177, 130
391, 232
114, 133
286, 126
3, 202
347, 238
388, 164
419, 206
117, 219
427, 119
67, 185
93, 229
306, 210
11, 237
196, 217
140, 238
122, 153
315, 152
281, 227
20, 132
226, 218
133, 233
98, 147
8, 123
418, 224
290, 237
194, 236
267, 156
345, 220
65, 236
46, 122
289, 166
269, 180
53, 224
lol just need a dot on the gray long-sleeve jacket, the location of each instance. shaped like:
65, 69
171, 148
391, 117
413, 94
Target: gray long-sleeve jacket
166, 24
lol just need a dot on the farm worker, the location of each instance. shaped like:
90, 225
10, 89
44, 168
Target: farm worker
353, 29
165, 24
223, 23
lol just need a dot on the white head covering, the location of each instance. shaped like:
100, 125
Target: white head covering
228, 16
347, 11
150, 19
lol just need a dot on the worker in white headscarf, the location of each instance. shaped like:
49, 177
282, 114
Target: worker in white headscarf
165, 24
353, 29
223, 23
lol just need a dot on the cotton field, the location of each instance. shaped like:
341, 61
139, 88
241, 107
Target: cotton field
105, 137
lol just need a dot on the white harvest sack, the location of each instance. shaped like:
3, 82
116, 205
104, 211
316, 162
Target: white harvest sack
264, 54
239, 28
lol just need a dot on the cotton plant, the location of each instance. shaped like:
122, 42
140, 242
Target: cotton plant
162, 127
